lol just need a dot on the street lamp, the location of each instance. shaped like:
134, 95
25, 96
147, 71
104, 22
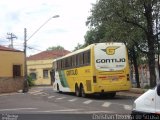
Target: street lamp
25, 88
55, 16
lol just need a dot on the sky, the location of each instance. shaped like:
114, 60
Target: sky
67, 30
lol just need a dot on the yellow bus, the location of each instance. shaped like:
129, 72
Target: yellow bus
98, 68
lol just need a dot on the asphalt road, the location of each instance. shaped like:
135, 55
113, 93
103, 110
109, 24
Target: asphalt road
42, 103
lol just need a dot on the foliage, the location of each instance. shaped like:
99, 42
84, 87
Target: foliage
134, 22
147, 87
79, 46
55, 48
30, 81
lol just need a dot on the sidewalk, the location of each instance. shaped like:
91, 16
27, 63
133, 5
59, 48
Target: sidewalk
133, 92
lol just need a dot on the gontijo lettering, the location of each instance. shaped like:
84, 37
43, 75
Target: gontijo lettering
72, 72
110, 60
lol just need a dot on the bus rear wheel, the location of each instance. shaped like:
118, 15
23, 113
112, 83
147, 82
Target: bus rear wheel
112, 95
77, 91
83, 94
58, 89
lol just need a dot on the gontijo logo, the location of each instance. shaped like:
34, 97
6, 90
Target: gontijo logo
110, 50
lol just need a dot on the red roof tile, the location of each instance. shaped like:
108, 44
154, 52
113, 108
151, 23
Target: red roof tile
2, 48
48, 55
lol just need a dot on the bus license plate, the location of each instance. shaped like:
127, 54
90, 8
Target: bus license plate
114, 78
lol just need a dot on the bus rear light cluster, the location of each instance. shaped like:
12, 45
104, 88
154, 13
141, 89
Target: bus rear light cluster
127, 77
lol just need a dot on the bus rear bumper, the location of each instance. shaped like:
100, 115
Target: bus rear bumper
107, 88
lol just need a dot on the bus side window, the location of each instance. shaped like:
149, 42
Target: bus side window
77, 60
87, 57
63, 63
72, 63
81, 59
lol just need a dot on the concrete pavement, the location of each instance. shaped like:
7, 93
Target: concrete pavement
133, 92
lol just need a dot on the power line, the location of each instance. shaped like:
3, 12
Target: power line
33, 48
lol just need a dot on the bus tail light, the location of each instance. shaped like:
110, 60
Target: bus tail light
127, 77
94, 79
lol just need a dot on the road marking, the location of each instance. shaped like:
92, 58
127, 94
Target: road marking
94, 112
106, 104
88, 101
15, 109
61, 98
45, 94
72, 100
8, 94
68, 110
35, 91
51, 97
128, 107
60, 111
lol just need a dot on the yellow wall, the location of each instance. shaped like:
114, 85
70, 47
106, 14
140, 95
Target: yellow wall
37, 66
7, 60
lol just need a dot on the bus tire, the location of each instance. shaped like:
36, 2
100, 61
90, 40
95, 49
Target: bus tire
112, 94
77, 91
58, 89
83, 94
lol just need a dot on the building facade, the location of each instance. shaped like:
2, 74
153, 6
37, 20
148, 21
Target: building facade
11, 69
39, 66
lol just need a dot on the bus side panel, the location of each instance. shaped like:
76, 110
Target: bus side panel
61, 82
79, 76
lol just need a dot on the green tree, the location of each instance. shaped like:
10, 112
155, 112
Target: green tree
30, 81
55, 48
128, 21
79, 46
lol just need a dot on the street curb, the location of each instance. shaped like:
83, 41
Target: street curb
137, 90
133, 92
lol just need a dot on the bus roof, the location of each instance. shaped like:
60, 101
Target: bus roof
76, 52
87, 48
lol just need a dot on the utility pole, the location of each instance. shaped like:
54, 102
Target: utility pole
25, 88
10, 37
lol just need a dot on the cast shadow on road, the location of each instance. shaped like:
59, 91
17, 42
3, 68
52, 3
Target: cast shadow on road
104, 96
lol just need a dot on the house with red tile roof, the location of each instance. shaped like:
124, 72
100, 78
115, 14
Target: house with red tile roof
11, 69
39, 66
